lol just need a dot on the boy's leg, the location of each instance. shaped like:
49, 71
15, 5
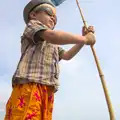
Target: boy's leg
30, 102
47, 101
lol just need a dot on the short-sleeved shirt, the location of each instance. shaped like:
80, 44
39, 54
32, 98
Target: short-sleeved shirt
39, 60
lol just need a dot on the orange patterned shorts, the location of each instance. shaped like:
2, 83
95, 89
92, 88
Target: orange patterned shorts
30, 101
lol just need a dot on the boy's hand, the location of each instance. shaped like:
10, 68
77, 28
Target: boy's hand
89, 34
90, 39
86, 31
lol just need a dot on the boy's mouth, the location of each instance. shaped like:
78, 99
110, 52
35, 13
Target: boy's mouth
51, 24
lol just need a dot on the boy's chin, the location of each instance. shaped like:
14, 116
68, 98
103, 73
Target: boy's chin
51, 27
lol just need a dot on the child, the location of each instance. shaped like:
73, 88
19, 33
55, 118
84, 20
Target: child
36, 78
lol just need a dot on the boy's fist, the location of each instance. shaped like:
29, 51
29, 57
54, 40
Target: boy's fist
90, 39
89, 35
86, 31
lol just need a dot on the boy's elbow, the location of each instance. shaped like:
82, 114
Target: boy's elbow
66, 57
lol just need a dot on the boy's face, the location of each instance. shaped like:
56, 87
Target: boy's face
47, 17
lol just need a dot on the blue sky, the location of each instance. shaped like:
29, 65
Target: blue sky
80, 96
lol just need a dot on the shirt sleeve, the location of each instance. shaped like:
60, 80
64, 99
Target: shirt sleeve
60, 52
32, 28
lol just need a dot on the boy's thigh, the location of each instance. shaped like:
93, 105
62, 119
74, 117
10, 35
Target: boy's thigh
22, 104
26, 103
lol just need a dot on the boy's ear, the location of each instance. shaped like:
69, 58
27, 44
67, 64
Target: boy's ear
32, 15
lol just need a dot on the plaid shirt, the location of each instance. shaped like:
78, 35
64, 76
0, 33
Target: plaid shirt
39, 60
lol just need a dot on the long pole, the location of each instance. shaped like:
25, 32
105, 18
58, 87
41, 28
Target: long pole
109, 104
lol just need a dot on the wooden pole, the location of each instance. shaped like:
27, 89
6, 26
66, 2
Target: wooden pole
109, 104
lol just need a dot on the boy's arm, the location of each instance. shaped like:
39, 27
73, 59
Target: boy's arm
67, 55
61, 37
75, 49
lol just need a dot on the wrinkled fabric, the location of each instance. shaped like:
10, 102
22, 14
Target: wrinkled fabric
39, 61
30, 102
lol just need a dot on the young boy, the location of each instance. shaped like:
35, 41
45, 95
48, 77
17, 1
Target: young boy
36, 78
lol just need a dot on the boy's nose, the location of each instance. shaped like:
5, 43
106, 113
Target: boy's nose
54, 18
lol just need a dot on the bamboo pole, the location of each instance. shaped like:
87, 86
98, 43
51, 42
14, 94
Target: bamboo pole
109, 103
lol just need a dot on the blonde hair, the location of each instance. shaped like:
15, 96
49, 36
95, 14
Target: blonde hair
40, 7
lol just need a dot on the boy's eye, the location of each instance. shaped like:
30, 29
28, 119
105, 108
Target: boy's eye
49, 11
